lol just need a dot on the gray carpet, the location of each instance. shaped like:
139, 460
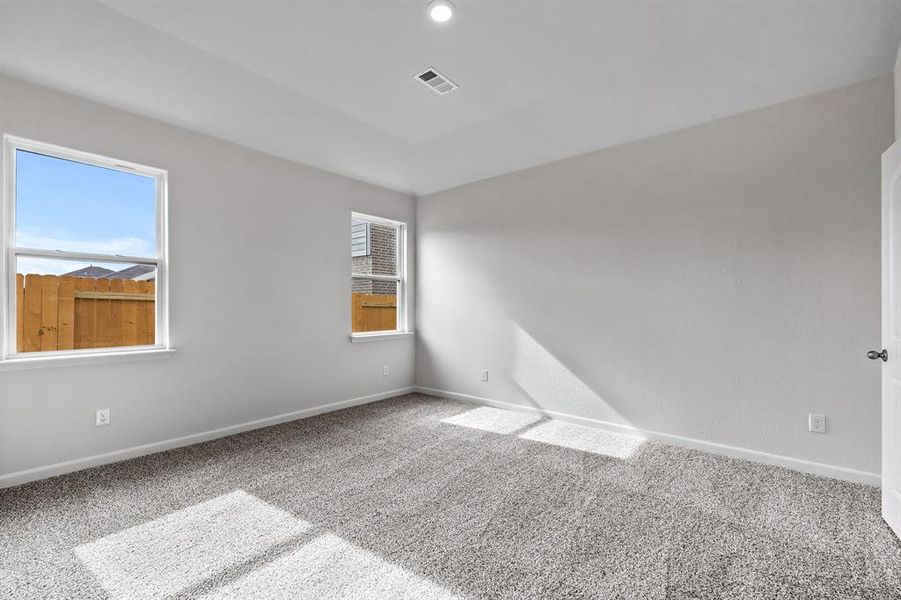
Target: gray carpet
420, 497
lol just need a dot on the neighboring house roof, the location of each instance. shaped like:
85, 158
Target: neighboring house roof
135, 272
91, 271
138, 272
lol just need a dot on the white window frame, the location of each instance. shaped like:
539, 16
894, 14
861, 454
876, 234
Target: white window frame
9, 355
403, 329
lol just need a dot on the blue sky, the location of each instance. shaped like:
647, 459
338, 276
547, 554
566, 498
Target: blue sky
66, 205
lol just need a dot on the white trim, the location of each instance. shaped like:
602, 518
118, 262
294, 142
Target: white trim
362, 338
69, 466
374, 219
7, 258
401, 279
80, 156
797, 464
43, 360
8, 350
365, 276
86, 256
403, 289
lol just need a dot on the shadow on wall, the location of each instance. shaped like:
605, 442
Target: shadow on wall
531, 331
535, 375
522, 371
549, 385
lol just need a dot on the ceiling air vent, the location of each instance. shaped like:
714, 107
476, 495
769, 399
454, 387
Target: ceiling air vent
436, 82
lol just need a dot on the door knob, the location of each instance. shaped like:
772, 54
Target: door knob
873, 355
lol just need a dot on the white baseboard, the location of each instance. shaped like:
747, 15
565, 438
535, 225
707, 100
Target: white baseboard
20, 477
843, 473
797, 464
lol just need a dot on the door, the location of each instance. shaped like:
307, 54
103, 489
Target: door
891, 337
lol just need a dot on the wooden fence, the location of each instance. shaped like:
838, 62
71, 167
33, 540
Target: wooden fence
72, 313
373, 312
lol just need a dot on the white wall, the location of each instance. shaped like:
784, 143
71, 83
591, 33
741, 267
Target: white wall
897, 75
260, 294
717, 283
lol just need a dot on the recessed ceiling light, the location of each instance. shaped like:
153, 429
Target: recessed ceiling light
440, 11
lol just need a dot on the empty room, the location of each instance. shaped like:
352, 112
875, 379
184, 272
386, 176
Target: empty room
450, 299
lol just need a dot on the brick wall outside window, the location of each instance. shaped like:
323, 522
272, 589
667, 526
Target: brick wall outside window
382, 260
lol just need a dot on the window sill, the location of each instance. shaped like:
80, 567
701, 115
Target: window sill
361, 338
21, 363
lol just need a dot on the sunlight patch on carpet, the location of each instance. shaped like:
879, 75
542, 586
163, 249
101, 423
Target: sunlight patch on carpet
493, 420
185, 548
585, 439
536, 428
330, 567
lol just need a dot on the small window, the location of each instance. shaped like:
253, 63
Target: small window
85, 252
378, 283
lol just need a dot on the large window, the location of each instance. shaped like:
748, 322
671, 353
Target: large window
85, 253
378, 284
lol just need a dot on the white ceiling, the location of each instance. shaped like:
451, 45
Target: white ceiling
330, 83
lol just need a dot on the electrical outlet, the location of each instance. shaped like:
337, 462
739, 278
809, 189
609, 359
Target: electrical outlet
484, 374
385, 371
102, 417
816, 423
